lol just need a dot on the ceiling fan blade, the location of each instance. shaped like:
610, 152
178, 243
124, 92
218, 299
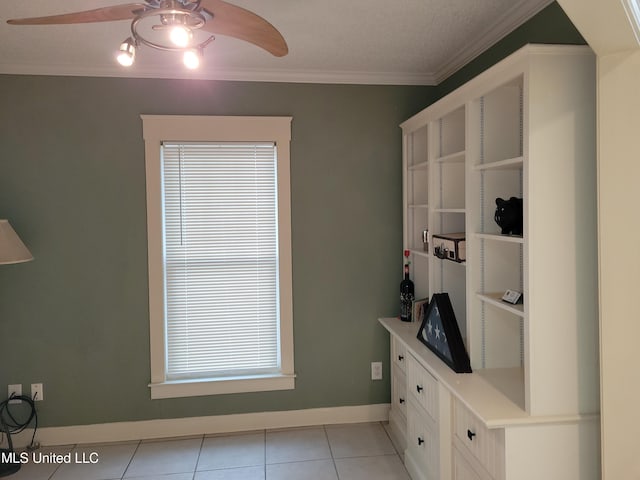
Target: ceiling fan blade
105, 14
233, 21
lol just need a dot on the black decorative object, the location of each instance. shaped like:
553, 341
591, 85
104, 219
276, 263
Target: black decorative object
440, 333
407, 294
508, 215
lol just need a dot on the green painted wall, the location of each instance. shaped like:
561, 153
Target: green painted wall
72, 184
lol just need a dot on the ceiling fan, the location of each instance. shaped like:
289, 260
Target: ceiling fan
172, 25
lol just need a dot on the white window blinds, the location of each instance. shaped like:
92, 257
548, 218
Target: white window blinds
220, 259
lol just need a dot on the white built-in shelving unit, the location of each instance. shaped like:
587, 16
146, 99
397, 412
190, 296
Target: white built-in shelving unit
525, 128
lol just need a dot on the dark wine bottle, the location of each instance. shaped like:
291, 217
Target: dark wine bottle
406, 293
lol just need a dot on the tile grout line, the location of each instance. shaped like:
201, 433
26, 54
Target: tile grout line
333, 460
264, 444
195, 468
72, 447
131, 460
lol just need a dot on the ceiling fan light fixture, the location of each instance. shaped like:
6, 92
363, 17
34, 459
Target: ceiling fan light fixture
180, 35
191, 58
182, 24
127, 52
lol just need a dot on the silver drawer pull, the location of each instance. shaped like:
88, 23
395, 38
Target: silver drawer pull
470, 434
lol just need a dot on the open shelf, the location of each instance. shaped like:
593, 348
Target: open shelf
446, 262
495, 299
452, 157
419, 253
508, 164
419, 166
449, 210
500, 238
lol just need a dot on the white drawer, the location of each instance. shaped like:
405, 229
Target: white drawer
465, 468
423, 444
399, 391
398, 354
422, 386
486, 445
398, 430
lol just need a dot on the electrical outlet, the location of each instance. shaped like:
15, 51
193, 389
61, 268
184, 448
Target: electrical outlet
16, 390
376, 370
37, 392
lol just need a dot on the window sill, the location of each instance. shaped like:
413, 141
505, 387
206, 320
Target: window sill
219, 386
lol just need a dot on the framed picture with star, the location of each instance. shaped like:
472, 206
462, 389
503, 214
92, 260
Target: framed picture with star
439, 331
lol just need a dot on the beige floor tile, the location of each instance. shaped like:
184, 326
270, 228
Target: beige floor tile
384, 467
298, 444
243, 473
242, 450
311, 470
159, 458
359, 440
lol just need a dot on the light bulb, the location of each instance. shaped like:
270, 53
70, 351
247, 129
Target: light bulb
180, 35
191, 59
126, 53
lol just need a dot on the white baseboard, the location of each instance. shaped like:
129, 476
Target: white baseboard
179, 427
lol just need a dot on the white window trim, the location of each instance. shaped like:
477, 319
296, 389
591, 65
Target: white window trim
177, 128
632, 9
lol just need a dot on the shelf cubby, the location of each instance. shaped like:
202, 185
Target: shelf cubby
447, 221
502, 266
495, 299
448, 186
416, 146
450, 134
418, 181
502, 122
418, 220
503, 338
419, 270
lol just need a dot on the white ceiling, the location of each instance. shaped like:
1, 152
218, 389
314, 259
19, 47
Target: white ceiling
410, 42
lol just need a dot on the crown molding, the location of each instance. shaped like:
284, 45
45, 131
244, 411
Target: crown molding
241, 75
504, 25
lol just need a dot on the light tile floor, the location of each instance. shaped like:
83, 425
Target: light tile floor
332, 452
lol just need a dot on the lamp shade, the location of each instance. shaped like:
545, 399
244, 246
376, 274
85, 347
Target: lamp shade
12, 250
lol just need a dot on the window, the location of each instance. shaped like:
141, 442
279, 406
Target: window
219, 235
